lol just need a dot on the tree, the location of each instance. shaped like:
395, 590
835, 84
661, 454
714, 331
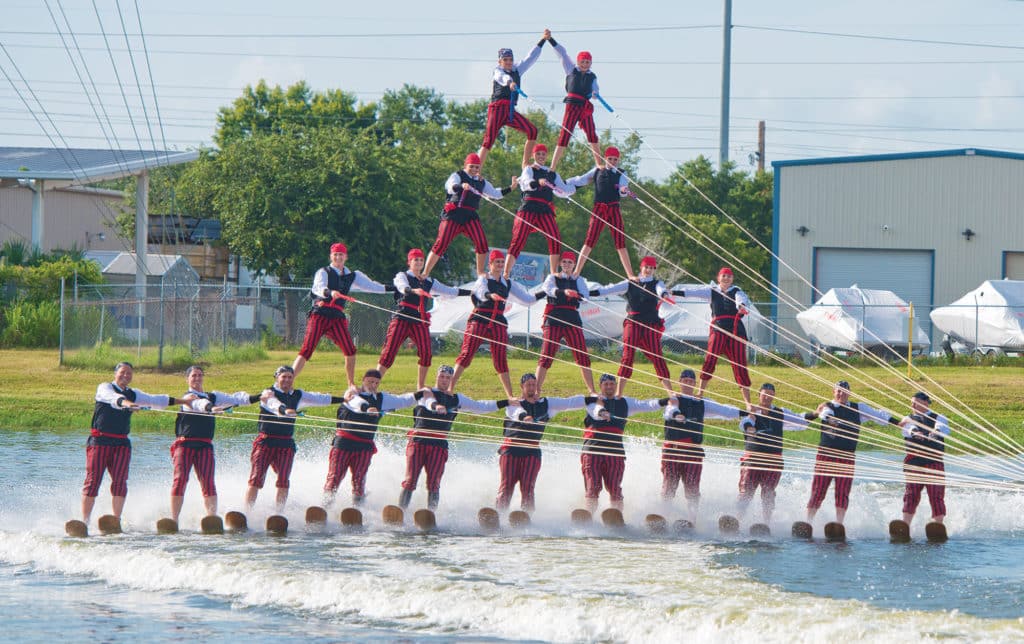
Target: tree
413, 104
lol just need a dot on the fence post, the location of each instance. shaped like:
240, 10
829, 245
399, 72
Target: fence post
224, 316
160, 351
60, 357
910, 341
103, 317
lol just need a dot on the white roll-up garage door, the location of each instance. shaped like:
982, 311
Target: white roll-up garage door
907, 273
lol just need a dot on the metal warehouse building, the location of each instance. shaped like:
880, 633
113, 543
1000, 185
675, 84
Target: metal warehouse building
929, 226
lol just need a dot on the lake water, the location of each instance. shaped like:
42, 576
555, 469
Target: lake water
550, 582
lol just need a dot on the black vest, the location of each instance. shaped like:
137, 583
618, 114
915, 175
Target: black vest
363, 427
723, 312
580, 83
692, 429
642, 303
335, 282
503, 92
561, 310
605, 436
488, 310
767, 436
430, 427
523, 438
464, 203
413, 307
196, 425
606, 185
846, 432
278, 431
112, 420
544, 193
924, 449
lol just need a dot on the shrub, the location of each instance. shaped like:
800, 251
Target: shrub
31, 325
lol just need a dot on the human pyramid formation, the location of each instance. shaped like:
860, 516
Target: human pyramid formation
435, 408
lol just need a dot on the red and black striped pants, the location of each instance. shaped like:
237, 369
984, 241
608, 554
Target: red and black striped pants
931, 477
449, 230
429, 458
827, 469
111, 458
187, 458
517, 469
578, 113
497, 118
527, 223
647, 338
477, 333
733, 349
603, 469
679, 466
763, 472
334, 328
263, 458
554, 335
398, 331
605, 214
342, 460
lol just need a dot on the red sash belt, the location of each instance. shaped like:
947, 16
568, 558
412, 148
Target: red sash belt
341, 433
95, 433
262, 436
538, 200
591, 433
182, 439
578, 97
520, 442
426, 433
421, 309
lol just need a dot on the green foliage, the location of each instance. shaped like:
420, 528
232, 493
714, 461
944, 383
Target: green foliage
83, 323
31, 324
41, 282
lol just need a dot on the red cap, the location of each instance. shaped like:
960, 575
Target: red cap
472, 159
649, 261
540, 147
725, 271
495, 254
568, 254
612, 151
339, 248
413, 254
584, 55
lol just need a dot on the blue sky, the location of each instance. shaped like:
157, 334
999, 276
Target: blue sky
873, 77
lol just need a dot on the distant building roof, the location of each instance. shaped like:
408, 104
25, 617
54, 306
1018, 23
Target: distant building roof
125, 264
929, 154
102, 257
84, 165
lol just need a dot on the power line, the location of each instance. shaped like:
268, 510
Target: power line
921, 41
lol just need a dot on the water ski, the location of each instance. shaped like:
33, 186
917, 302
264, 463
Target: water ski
581, 516
167, 526
936, 532
518, 519
393, 515
683, 526
236, 521
212, 524
316, 515
488, 518
899, 531
835, 532
76, 528
656, 523
728, 524
424, 519
277, 525
760, 530
612, 518
802, 530
351, 518
109, 524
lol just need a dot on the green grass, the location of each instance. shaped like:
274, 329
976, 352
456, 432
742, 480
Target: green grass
37, 394
175, 358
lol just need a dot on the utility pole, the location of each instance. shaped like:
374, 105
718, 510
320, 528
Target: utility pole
723, 128
760, 146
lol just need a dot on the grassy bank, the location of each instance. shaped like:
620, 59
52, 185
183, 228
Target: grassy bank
36, 394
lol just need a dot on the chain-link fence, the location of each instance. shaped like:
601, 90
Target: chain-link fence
201, 317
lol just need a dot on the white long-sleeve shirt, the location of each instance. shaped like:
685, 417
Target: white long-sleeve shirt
203, 405
111, 394
308, 399
561, 188
555, 406
791, 421
501, 77
867, 412
623, 286
712, 409
389, 402
550, 287
588, 178
568, 64
360, 283
516, 291
465, 404
704, 293
634, 405
941, 426
401, 283
488, 190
